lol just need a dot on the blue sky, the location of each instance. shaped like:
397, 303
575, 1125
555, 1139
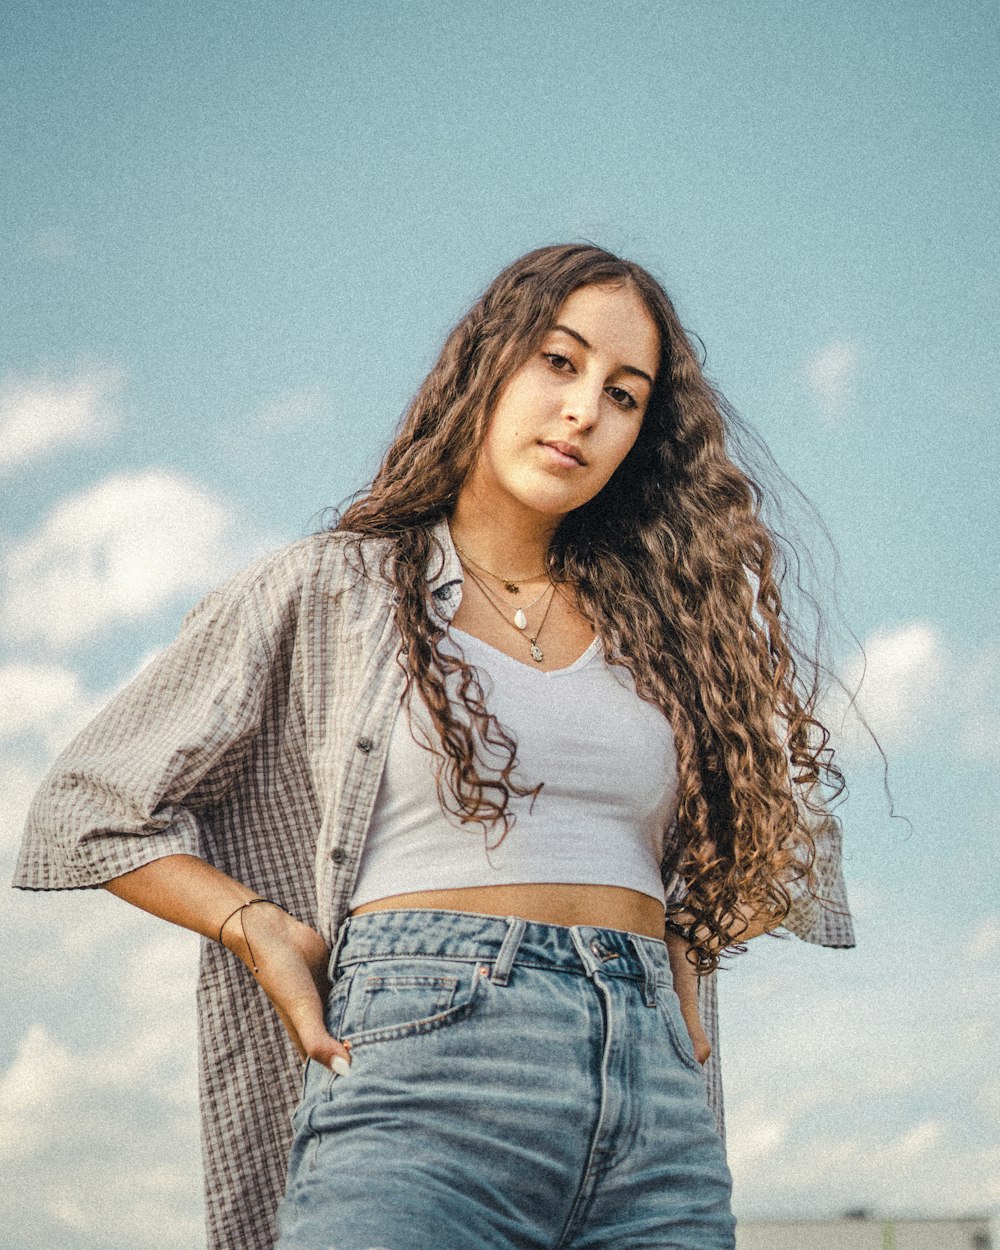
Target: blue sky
235, 237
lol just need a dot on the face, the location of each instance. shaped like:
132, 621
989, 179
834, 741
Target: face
567, 418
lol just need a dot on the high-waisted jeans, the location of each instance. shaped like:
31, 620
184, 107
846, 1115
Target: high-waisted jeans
514, 1086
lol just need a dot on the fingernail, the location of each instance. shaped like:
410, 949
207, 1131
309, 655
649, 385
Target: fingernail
341, 1065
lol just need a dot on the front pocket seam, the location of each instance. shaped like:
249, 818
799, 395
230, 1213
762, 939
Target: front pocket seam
686, 1056
417, 1028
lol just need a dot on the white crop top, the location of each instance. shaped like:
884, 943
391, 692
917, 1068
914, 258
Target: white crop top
607, 759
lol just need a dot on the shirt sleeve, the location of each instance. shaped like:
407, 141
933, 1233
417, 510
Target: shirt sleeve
826, 918
128, 788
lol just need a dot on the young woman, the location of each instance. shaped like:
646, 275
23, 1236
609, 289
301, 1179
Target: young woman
477, 786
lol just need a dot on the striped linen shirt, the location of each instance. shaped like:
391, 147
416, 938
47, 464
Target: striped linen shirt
257, 741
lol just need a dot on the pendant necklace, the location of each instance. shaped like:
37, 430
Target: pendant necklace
520, 621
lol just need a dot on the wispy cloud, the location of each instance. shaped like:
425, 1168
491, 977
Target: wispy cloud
829, 373
56, 244
21, 778
119, 550
120, 1103
916, 683
293, 407
46, 702
979, 693
900, 675
42, 707
39, 414
858, 1062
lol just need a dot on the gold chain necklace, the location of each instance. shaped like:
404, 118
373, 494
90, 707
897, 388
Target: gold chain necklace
509, 583
537, 654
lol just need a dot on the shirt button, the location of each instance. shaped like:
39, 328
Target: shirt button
365, 744
338, 854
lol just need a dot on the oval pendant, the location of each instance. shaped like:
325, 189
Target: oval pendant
537, 653
520, 620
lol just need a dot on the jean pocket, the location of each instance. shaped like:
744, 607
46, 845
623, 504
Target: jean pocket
398, 1001
669, 1006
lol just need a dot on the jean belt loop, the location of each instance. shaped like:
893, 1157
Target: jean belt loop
331, 963
508, 949
648, 970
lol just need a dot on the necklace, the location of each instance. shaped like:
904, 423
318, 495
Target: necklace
537, 654
509, 583
520, 620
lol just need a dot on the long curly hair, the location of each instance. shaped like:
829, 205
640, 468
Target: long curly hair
673, 566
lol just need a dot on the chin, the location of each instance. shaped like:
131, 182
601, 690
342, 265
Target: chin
553, 509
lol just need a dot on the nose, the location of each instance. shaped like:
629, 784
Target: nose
581, 403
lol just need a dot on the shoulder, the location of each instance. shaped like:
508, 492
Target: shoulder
274, 587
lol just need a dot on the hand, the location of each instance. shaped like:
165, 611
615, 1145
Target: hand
291, 959
686, 989
696, 1031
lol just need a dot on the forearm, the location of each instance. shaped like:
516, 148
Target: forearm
185, 890
288, 958
757, 923
747, 924
683, 970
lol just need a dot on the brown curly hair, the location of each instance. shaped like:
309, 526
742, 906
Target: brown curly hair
674, 568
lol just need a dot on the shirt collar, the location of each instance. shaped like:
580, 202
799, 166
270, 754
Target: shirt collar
444, 580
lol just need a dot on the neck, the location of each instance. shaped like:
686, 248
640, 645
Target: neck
507, 541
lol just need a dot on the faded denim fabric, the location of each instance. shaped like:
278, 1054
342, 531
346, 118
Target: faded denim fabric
513, 1086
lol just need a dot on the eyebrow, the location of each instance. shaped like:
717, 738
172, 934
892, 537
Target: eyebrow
574, 334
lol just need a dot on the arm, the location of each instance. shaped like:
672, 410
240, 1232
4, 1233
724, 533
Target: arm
686, 978
686, 989
291, 957
123, 807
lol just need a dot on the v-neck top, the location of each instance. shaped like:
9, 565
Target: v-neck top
606, 759
471, 644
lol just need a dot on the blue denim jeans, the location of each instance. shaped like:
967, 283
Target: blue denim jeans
514, 1086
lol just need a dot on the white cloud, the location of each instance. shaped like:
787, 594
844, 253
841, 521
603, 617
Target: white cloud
984, 939
916, 683
28, 1089
832, 1059
57, 244
829, 373
293, 407
98, 1114
120, 549
43, 701
901, 673
42, 707
20, 781
38, 415
979, 693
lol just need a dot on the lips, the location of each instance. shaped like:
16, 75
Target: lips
567, 449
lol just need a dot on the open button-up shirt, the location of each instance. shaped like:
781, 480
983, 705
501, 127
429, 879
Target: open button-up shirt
257, 741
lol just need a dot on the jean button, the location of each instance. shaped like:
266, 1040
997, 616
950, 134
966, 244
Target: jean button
601, 951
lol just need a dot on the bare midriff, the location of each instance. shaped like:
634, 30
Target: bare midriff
604, 906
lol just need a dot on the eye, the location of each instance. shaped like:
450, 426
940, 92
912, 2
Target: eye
622, 397
557, 361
